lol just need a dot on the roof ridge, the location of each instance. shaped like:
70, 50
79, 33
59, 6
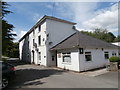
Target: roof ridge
42, 20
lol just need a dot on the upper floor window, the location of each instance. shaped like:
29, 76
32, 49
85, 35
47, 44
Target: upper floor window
39, 40
28, 43
88, 56
33, 32
106, 55
39, 29
33, 41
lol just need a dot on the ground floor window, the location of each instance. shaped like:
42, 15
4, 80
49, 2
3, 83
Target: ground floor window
114, 53
39, 54
106, 55
52, 58
67, 57
88, 56
119, 54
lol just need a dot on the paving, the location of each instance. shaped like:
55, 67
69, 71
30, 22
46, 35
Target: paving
35, 76
96, 72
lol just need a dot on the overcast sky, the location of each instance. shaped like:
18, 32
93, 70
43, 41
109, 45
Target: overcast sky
87, 15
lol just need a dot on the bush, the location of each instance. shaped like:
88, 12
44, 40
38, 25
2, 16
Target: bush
114, 59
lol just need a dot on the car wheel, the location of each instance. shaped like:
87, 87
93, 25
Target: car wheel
4, 82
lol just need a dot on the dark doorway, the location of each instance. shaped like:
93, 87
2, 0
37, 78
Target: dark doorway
33, 57
56, 57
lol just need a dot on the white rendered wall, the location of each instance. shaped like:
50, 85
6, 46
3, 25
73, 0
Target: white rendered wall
98, 59
42, 47
58, 31
74, 65
24, 49
31, 46
20, 48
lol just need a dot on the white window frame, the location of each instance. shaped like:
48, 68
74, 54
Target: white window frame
106, 53
88, 53
68, 54
39, 56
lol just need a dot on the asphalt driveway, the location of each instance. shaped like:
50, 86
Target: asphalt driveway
34, 76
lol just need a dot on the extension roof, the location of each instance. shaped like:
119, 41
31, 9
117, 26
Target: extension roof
80, 40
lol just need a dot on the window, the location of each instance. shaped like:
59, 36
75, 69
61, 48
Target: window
28, 43
80, 50
113, 53
39, 29
88, 56
106, 54
39, 40
43, 39
33, 32
52, 58
67, 57
39, 55
33, 41
119, 54
28, 55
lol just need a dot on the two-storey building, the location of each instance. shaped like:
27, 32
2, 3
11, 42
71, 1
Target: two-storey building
35, 45
56, 42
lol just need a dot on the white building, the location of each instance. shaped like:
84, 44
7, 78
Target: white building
56, 42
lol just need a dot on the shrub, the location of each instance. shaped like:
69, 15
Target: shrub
114, 59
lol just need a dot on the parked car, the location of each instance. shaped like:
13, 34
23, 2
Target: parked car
8, 73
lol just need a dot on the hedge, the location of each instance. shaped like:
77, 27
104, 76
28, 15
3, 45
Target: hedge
114, 59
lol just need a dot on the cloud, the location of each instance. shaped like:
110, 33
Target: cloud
77, 11
107, 18
20, 35
89, 15
14, 32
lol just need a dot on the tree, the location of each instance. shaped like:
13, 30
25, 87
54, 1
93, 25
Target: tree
4, 9
102, 34
12, 50
117, 39
7, 35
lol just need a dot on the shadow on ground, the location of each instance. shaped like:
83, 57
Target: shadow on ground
26, 77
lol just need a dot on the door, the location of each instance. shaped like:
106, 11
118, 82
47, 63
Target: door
56, 57
39, 57
33, 57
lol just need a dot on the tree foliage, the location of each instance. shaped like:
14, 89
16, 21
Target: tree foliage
4, 9
102, 34
12, 50
7, 35
117, 39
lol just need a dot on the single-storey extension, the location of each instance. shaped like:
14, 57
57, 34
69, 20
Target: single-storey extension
81, 52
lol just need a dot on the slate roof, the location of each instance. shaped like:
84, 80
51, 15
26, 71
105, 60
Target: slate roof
80, 40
